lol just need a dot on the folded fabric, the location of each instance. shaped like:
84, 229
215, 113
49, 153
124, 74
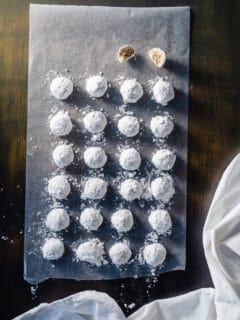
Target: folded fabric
221, 240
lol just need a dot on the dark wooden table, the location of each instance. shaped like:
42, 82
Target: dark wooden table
214, 138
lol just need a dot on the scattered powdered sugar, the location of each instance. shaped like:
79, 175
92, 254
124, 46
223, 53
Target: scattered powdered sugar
53, 249
130, 306
95, 121
33, 290
162, 188
59, 187
61, 124
151, 237
129, 126
122, 220
95, 157
161, 126
91, 251
163, 92
96, 86
123, 109
132, 185
131, 189
91, 219
61, 88
154, 254
63, 155
57, 219
130, 159
97, 137
95, 189
120, 253
4, 238
131, 91
119, 79
164, 159
160, 221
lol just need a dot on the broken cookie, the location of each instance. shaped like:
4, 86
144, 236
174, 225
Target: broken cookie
158, 57
125, 53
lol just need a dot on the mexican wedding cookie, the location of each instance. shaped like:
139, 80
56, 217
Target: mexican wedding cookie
59, 187
130, 159
95, 189
164, 159
160, 221
161, 126
162, 188
57, 219
95, 121
53, 249
125, 53
158, 57
61, 88
91, 251
95, 157
154, 254
131, 189
96, 86
63, 155
91, 219
129, 126
122, 220
61, 124
131, 91
120, 253
163, 92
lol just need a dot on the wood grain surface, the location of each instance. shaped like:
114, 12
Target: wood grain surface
214, 138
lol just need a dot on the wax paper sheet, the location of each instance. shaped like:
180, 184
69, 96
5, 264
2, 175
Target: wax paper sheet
221, 245
77, 42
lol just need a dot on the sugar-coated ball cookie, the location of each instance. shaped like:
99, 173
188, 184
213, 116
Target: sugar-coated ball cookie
91, 219
91, 251
163, 92
95, 157
96, 86
129, 126
95, 189
59, 187
161, 126
120, 253
154, 254
131, 91
162, 188
95, 121
63, 155
131, 189
164, 159
160, 221
122, 220
53, 249
130, 159
61, 124
61, 88
57, 219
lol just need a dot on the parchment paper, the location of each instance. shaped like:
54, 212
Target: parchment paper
77, 42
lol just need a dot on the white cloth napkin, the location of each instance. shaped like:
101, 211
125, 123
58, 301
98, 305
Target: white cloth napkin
221, 240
